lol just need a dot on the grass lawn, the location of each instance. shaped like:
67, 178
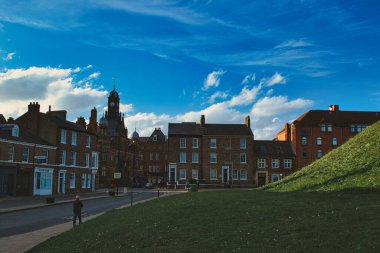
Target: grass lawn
233, 221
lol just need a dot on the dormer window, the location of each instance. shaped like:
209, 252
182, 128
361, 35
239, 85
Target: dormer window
155, 137
323, 127
15, 131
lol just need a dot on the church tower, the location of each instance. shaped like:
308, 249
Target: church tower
113, 105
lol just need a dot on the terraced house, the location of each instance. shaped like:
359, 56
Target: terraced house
214, 154
76, 155
27, 163
317, 132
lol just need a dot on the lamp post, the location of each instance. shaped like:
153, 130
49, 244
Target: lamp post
133, 146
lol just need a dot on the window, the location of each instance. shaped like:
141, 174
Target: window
87, 160
88, 141
235, 175
104, 171
151, 156
323, 127
319, 141
182, 157
45, 153
275, 163
352, 129
11, 153
62, 157
88, 180
213, 175
329, 128
275, 177
15, 131
243, 158
261, 163
212, 143
194, 174
84, 184
155, 137
243, 143
319, 153
63, 136
361, 128
334, 141
74, 137
288, 163
182, 142
74, 158
195, 157
304, 140
304, 153
157, 156
213, 158
72, 180
243, 174
195, 143
25, 154
182, 174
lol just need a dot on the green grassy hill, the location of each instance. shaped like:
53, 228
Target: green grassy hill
353, 166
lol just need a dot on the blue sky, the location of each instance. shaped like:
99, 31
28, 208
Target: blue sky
176, 60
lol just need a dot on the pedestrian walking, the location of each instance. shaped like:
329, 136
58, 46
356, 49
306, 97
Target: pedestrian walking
77, 208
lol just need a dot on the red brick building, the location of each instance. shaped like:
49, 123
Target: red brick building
154, 154
76, 155
27, 163
273, 160
317, 132
214, 154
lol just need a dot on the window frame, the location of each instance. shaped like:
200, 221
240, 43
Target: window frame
74, 138
319, 141
63, 136
181, 173
182, 142
277, 161
192, 157
212, 158
243, 143
304, 140
182, 157
197, 173
195, 142
243, 155
288, 163
74, 158
72, 184
212, 142
323, 127
211, 174
25, 155
235, 174
245, 177
335, 141
261, 161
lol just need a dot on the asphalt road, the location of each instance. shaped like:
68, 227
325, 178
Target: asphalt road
33, 219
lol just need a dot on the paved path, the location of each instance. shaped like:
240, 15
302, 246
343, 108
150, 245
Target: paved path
24, 242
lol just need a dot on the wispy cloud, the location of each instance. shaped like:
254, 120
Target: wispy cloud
249, 78
213, 79
9, 56
216, 95
294, 43
275, 79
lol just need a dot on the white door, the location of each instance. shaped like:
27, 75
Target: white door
62, 182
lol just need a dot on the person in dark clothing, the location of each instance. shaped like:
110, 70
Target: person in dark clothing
77, 208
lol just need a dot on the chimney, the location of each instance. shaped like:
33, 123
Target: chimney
2, 119
81, 121
287, 132
49, 108
33, 118
334, 108
11, 120
247, 121
203, 120
92, 126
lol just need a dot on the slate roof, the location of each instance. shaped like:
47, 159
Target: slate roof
24, 136
337, 118
194, 129
273, 148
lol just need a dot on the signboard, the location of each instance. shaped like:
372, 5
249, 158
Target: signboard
117, 175
40, 157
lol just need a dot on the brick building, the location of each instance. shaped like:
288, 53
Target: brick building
215, 154
27, 163
154, 154
317, 132
76, 155
273, 160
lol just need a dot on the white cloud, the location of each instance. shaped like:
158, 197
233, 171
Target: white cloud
279, 105
48, 86
275, 79
88, 66
213, 79
246, 96
249, 78
216, 95
9, 56
294, 43
125, 108
94, 75
145, 123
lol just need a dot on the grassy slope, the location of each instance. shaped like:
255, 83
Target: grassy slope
314, 215
353, 166
232, 221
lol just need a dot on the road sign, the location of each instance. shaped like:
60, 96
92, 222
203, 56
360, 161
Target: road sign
117, 175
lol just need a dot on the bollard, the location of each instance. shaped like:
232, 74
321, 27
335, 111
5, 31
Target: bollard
158, 193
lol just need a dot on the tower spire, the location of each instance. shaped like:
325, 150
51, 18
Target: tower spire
114, 82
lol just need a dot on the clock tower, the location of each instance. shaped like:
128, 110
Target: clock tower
113, 105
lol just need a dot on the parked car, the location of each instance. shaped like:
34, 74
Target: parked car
149, 185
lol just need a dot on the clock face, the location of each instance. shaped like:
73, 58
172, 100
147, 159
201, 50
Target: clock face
112, 104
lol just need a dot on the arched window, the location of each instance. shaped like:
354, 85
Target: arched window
304, 140
334, 141
319, 153
319, 141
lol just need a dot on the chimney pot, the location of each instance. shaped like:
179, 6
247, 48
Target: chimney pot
203, 120
334, 108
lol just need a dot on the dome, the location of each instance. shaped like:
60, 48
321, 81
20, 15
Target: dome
103, 121
135, 135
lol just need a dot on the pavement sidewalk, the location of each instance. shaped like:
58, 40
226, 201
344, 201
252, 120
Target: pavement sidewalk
24, 242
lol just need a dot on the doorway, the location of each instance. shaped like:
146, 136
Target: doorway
261, 180
62, 182
225, 174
